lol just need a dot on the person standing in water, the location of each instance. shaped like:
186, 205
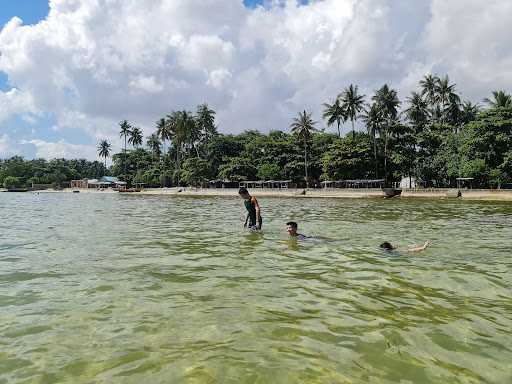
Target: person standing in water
253, 220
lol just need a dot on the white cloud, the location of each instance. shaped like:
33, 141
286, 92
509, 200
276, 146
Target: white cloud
6, 147
62, 149
15, 102
93, 63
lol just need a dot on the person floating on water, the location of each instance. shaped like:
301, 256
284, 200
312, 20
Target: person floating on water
291, 227
387, 246
253, 210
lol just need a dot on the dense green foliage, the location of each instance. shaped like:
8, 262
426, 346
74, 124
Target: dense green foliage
20, 173
433, 136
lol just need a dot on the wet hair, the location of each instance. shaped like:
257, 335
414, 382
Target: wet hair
243, 191
387, 246
292, 224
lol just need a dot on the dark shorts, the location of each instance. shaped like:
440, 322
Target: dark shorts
254, 227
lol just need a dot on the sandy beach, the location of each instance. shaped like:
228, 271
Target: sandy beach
470, 194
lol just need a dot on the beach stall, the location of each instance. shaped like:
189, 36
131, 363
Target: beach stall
364, 183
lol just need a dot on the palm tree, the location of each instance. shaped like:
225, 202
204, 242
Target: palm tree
352, 104
500, 99
154, 144
429, 89
205, 120
104, 148
373, 121
304, 126
417, 113
469, 111
448, 99
125, 131
163, 131
185, 132
388, 103
334, 113
136, 137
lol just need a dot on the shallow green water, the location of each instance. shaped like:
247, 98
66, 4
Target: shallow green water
143, 289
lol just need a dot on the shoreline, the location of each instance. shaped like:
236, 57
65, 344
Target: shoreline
470, 194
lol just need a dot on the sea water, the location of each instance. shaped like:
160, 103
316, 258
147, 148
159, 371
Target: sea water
110, 288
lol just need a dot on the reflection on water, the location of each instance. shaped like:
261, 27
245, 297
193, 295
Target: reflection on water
131, 289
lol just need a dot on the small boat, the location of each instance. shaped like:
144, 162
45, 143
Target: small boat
17, 190
75, 191
130, 190
391, 192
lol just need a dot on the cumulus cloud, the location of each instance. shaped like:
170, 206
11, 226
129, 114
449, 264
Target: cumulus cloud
62, 149
93, 63
14, 102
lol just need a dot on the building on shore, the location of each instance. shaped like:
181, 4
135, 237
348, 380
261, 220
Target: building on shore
104, 182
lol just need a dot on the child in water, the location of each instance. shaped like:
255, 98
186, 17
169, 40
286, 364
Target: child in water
390, 247
253, 210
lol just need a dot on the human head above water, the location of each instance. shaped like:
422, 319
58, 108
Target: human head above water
292, 228
387, 246
243, 192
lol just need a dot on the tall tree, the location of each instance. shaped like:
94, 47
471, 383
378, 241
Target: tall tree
163, 131
135, 140
104, 148
136, 137
429, 89
205, 120
373, 121
499, 99
124, 132
448, 100
153, 142
184, 131
417, 112
353, 104
303, 126
335, 113
388, 103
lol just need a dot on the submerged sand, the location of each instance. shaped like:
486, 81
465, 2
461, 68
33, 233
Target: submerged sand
469, 194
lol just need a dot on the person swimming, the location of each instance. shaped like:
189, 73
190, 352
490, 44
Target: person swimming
291, 227
387, 246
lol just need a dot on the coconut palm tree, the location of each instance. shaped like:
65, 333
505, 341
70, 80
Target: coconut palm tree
429, 89
335, 113
185, 133
500, 99
304, 126
388, 103
469, 111
104, 148
135, 140
352, 103
205, 120
154, 144
163, 131
136, 137
373, 121
124, 132
417, 113
448, 100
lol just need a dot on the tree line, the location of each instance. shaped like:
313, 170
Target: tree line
433, 135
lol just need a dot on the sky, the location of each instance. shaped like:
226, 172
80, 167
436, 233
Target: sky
70, 70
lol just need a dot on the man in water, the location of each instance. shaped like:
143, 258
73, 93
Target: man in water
253, 210
291, 227
390, 247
